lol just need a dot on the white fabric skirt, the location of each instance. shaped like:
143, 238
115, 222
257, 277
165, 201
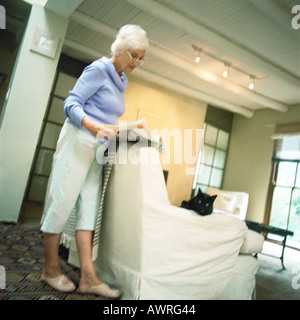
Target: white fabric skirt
75, 182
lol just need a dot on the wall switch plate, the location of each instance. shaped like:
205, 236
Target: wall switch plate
44, 43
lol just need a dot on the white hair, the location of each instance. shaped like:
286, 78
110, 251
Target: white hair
130, 37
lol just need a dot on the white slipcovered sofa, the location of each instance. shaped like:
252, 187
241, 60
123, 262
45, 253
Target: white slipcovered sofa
152, 250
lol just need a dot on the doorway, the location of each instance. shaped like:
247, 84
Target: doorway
283, 210
67, 74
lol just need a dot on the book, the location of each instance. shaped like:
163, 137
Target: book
139, 129
134, 125
134, 129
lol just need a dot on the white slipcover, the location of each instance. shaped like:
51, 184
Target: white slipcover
150, 249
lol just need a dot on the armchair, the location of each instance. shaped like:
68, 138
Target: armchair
153, 250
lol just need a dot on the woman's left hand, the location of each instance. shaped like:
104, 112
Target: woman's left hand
99, 130
106, 132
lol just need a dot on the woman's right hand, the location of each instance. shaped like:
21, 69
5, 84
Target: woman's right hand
99, 130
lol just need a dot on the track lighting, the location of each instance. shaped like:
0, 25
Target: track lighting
227, 66
198, 58
198, 50
227, 69
251, 85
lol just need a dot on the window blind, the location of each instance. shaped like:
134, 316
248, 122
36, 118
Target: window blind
287, 148
286, 130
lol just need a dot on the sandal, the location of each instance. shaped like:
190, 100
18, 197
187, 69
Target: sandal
61, 283
102, 290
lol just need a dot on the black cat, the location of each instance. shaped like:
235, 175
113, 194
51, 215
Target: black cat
202, 203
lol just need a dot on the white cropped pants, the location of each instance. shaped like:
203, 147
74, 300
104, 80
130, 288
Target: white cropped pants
75, 182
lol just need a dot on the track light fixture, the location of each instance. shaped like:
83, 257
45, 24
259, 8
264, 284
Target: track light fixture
227, 69
252, 84
198, 51
227, 66
198, 58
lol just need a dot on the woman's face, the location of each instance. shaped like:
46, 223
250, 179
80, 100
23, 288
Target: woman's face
130, 59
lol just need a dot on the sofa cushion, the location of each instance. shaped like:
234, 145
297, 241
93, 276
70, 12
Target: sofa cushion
253, 242
237, 206
225, 202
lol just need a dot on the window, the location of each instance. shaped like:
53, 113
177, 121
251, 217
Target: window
284, 211
211, 164
53, 122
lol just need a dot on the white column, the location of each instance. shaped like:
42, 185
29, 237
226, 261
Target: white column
24, 109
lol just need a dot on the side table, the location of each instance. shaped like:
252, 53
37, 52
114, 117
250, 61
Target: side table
260, 227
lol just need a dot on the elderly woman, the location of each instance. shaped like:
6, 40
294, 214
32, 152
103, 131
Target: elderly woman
95, 103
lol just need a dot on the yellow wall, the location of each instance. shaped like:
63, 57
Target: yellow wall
177, 112
250, 154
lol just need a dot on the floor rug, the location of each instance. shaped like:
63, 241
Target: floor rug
21, 263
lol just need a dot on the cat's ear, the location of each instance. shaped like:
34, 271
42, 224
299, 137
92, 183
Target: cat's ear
213, 198
199, 192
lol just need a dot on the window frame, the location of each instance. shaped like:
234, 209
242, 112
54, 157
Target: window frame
201, 160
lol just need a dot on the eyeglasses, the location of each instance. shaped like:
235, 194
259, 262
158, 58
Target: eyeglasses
135, 58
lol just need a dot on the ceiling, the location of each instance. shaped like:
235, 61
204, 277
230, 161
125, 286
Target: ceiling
256, 37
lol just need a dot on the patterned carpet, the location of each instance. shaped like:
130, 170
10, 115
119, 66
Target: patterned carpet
22, 256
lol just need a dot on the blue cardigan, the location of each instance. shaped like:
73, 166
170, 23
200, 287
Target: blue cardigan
98, 94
